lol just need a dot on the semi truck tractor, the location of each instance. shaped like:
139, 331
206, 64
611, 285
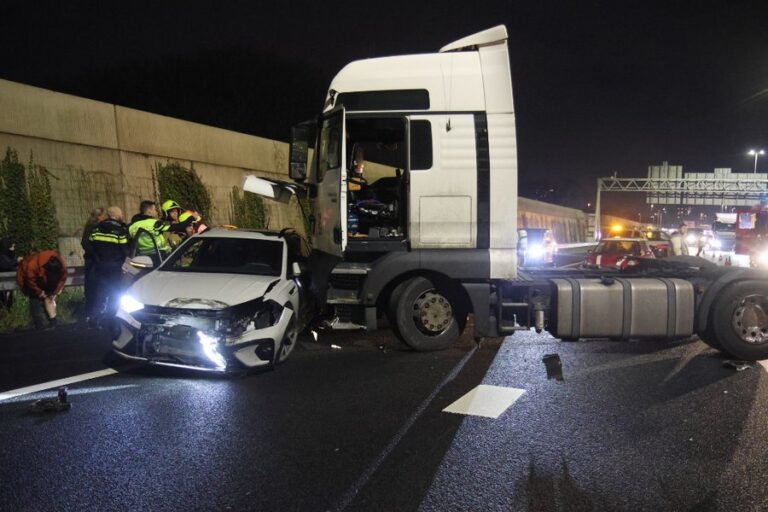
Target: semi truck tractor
411, 174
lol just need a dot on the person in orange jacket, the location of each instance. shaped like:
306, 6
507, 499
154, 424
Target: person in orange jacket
41, 277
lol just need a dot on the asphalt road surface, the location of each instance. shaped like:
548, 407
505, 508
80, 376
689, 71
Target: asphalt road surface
632, 426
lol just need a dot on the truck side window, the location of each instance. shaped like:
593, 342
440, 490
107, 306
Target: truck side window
421, 145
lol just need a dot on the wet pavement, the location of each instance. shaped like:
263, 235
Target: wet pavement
593, 425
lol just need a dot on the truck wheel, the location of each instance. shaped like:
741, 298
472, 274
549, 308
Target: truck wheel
425, 317
740, 320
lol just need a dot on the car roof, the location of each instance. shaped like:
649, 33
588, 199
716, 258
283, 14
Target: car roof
622, 239
253, 234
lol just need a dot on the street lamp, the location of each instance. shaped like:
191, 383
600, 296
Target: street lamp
756, 153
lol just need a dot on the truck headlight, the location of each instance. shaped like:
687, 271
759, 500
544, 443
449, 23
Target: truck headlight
129, 304
535, 251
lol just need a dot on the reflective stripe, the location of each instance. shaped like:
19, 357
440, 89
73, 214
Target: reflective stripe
108, 238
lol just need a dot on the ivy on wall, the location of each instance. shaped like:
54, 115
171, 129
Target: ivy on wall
247, 211
174, 181
27, 212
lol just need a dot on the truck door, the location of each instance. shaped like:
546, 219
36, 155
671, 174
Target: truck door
330, 206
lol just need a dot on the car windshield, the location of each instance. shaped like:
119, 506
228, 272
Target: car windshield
228, 256
618, 246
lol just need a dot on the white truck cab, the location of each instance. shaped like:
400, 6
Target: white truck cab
413, 187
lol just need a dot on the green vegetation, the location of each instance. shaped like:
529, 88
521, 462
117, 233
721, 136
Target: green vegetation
70, 308
184, 186
247, 211
27, 212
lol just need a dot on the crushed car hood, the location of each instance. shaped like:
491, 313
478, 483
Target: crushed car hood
196, 290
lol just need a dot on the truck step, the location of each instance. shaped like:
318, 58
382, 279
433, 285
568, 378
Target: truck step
359, 269
352, 301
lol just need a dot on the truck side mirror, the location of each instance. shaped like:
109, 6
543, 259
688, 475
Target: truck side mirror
299, 152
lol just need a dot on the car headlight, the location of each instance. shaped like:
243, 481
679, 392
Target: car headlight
129, 304
535, 251
691, 239
715, 243
211, 350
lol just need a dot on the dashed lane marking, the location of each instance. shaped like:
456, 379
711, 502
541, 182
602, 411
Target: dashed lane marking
486, 401
55, 384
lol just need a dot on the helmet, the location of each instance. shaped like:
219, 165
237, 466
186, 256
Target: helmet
187, 214
169, 205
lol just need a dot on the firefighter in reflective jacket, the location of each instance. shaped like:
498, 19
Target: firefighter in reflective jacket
180, 224
147, 232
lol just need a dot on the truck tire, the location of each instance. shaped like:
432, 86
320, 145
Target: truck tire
740, 320
425, 318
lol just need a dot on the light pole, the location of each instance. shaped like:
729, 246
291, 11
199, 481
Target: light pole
756, 153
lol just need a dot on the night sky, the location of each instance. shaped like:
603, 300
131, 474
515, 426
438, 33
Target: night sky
600, 87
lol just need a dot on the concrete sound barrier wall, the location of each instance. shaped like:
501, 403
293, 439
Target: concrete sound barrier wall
100, 154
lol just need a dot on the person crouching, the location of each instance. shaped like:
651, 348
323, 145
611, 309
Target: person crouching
41, 277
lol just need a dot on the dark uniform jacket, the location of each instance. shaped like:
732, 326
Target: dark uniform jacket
109, 243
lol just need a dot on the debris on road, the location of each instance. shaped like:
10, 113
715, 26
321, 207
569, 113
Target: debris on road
554, 366
739, 366
335, 347
58, 404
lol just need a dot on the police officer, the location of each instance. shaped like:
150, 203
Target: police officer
109, 245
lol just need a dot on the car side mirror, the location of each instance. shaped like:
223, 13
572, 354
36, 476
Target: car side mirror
142, 262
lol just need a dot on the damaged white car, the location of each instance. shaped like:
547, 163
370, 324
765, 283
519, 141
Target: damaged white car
226, 300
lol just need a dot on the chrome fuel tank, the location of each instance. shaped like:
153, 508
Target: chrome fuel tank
623, 308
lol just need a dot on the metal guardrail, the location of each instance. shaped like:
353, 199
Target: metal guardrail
75, 277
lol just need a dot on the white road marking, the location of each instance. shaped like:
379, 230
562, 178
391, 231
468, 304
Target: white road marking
55, 384
352, 492
763, 363
486, 401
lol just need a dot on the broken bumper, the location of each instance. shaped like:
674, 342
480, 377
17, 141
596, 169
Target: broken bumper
197, 340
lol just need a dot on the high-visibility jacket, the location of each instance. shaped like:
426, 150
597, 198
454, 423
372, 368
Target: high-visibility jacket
109, 243
144, 242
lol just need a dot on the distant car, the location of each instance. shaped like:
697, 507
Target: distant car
536, 247
619, 253
658, 241
225, 300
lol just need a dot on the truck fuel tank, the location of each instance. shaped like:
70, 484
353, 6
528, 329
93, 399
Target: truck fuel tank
623, 308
